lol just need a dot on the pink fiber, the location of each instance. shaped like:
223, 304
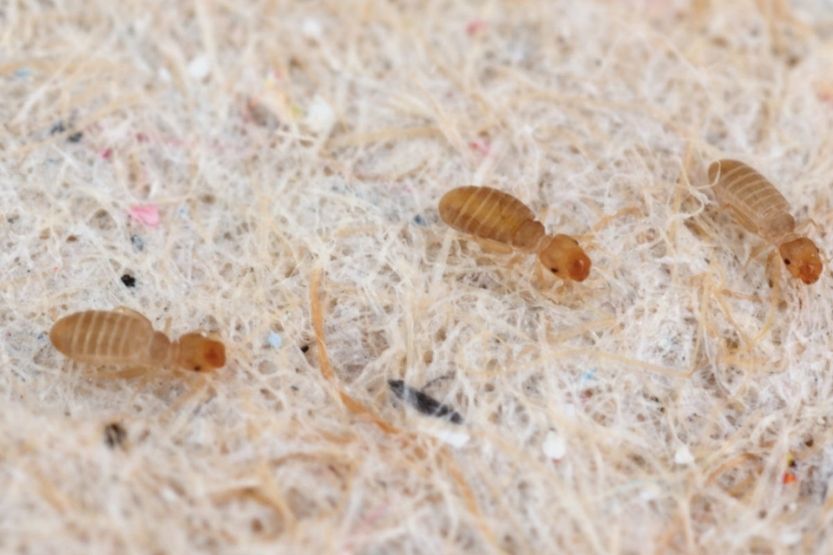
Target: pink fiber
147, 214
475, 26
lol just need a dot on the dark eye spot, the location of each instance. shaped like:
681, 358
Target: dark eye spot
787, 261
554, 270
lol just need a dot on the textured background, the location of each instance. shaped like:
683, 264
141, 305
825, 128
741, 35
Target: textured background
295, 152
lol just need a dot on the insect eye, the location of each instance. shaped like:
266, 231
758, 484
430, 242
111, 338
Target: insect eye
554, 270
787, 261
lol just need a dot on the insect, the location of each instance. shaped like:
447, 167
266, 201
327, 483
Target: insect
123, 336
423, 402
506, 223
758, 206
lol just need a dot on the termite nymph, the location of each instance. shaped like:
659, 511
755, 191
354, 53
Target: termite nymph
758, 206
123, 336
506, 222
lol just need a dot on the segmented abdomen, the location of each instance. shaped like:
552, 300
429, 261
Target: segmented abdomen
485, 212
102, 337
759, 205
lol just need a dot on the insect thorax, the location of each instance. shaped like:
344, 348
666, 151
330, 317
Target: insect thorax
528, 236
778, 228
160, 349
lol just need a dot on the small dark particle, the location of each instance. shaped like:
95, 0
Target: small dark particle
138, 242
419, 220
57, 128
114, 435
422, 402
76, 137
128, 280
304, 348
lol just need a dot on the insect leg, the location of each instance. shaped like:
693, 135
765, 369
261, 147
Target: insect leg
490, 245
125, 374
773, 270
130, 373
756, 252
809, 222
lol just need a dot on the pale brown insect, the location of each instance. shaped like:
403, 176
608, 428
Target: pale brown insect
758, 206
504, 221
124, 336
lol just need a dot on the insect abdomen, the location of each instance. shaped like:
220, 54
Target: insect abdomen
102, 337
753, 196
491, 214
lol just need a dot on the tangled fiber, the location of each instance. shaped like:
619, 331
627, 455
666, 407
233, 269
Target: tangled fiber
269, 171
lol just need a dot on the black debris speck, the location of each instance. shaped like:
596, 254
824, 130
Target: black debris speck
57, 128
128, 280
304, 348
423, 402
419, 220
76, 137
114, 435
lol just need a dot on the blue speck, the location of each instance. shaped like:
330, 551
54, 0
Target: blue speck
182, 212
137, 242
23, 73
419, 220
274, 339
587, 376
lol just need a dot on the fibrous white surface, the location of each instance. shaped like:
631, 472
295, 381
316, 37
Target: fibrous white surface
264, 168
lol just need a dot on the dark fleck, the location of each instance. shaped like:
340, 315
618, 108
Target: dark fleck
304, 348
114, 435
419, 220
138, 243
57, 128
422, 402
75, 137
71, 238
128, 280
